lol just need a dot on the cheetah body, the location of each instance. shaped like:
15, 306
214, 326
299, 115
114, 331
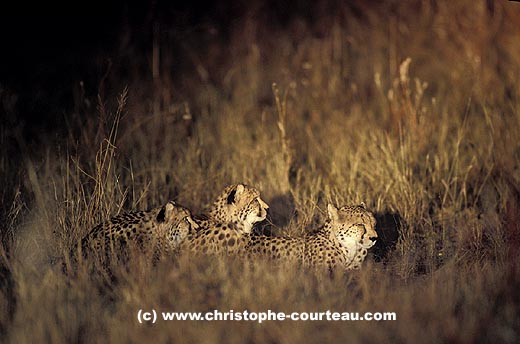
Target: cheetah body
342, 242
160, 231
227, 228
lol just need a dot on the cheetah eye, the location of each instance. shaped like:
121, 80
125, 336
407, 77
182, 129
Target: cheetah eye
362, 227
253, 201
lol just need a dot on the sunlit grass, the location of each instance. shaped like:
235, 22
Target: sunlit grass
419, 124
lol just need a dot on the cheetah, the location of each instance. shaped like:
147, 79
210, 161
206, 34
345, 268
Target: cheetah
342, 242
159, 231
227, 228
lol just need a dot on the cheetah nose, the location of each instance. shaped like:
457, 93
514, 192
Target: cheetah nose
373, 238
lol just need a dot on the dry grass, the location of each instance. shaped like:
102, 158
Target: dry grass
411, 108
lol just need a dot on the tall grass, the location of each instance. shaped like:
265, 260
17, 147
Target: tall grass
410, 108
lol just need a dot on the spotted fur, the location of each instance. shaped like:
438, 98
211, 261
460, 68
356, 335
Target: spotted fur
227, 228
342, 242
160, 231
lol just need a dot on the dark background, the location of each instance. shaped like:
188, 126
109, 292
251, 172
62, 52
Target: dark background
48, 47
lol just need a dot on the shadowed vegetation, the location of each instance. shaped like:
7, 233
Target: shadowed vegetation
412, 108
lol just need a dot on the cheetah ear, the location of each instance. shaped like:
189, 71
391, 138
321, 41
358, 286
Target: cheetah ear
240, 188
237, 191
332, 212
362, 205
165, 212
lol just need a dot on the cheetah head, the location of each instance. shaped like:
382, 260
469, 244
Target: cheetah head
353, 227
240, 205
177, 222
